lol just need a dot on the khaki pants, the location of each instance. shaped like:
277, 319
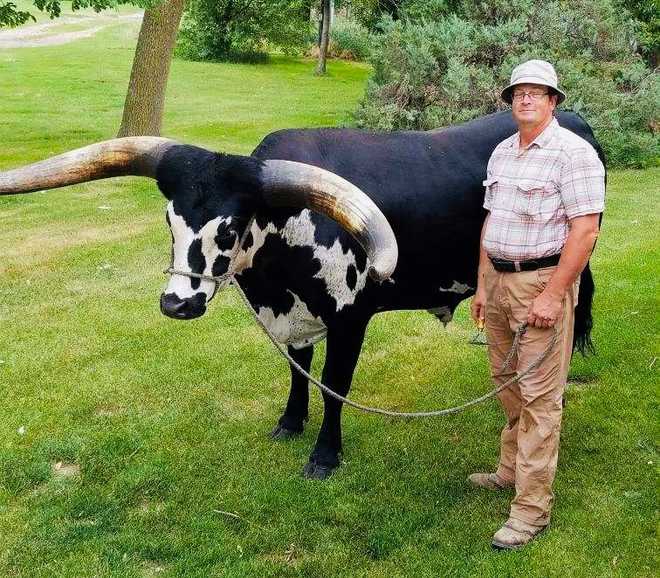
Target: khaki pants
533, 406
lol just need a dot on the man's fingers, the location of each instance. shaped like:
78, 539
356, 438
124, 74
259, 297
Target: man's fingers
534, 320
540, 322
478, 311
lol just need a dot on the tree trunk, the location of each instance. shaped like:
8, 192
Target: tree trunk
325, 37
145, 98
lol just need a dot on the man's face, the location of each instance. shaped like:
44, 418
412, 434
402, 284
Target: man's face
533, 108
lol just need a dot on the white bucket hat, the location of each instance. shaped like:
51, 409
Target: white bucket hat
534, 72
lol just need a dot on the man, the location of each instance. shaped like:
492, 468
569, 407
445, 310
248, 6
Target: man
545, 190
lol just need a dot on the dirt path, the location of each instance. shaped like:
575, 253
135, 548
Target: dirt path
46, 34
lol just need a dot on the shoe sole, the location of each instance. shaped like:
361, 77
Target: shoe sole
492, 486
501, 546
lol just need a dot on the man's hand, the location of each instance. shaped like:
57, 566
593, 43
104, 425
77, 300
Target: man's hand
478, 305
545, 310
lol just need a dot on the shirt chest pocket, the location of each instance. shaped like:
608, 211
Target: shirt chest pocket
498, 193
535, 200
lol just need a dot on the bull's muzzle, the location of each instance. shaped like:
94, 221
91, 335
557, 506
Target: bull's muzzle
188, 308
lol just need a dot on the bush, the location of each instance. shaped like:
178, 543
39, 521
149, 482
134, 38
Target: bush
431, 73
243, 30
349, 40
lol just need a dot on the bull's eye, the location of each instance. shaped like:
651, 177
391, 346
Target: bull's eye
224, 239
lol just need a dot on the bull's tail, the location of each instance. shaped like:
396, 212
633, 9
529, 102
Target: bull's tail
583, 319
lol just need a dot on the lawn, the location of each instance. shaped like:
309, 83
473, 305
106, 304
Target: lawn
135, 445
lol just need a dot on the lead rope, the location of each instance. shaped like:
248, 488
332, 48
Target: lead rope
437, 413
228, 278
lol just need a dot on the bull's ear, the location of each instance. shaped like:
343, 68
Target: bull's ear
139, 156
294, 184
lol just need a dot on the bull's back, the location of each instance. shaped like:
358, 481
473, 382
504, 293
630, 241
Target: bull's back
440, 172
427, 183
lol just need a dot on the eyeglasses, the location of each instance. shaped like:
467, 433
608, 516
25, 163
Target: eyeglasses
534, 94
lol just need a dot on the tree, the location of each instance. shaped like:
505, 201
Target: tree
145, 97
325, 36
647, 16
143, 108
369, 12
242, 30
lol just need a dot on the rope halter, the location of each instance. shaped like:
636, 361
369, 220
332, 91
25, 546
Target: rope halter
221, 281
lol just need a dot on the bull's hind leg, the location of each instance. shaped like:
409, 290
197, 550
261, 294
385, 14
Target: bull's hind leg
292, 421
342, 354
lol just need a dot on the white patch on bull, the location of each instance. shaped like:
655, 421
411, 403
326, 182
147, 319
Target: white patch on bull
299, 231
181, 285
456, 287
298, 327
210, 248
443, 313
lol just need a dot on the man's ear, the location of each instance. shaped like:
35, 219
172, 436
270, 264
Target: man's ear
554, 96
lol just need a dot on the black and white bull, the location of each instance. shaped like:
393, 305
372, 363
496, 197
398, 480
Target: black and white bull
305, 271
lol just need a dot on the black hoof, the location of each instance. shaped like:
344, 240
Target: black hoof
314, 471
281, 433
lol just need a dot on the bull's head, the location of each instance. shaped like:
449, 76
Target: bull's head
212, 198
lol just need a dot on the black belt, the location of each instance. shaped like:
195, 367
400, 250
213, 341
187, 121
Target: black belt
504, 266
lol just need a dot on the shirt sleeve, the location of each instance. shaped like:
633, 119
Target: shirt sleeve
582, 185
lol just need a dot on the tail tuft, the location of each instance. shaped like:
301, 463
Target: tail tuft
583, 318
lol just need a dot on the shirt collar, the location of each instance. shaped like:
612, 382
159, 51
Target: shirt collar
541, 140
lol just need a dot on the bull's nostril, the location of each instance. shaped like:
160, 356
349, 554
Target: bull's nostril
170, 304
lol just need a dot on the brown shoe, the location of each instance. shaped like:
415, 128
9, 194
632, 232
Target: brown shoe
515, 534
490, 482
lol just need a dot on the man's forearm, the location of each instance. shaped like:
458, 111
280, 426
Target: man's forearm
483, 256
478, 304
574, 255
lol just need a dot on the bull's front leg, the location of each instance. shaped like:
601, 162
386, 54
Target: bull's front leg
292, 421
343, 349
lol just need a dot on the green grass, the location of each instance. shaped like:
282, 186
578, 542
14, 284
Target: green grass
168, 421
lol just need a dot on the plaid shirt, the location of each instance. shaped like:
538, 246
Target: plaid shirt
533, 193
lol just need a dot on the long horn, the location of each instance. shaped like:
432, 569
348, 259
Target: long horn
293, 184
111, 158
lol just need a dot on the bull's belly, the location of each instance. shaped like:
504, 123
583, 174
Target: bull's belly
297, 327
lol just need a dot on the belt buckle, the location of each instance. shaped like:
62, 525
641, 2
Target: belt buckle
516, 266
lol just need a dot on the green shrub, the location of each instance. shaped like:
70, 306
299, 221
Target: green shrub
243, 30
431, 73
350, 40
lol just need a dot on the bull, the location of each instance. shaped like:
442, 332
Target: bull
310, 224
